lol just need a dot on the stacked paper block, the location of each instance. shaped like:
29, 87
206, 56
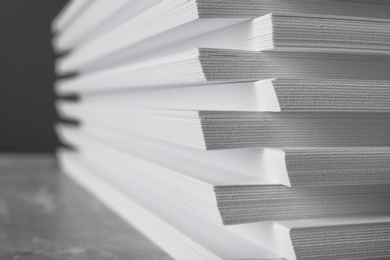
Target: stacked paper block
232, 129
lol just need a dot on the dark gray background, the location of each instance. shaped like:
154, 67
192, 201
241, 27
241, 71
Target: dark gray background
27, 113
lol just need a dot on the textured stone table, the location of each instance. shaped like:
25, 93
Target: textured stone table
45, 215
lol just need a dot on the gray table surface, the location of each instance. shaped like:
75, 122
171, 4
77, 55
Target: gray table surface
45, 215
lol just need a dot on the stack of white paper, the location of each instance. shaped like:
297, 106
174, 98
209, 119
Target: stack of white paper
147, 26
225, 196
215, 130
272, 95
205, 66
233, 130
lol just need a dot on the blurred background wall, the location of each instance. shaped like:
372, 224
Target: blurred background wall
27, 113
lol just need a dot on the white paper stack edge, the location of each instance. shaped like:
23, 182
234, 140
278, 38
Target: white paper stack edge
229, 197
216, 130
269, 95
205, 66
158, 218
292, 97
291, 167
169, 22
